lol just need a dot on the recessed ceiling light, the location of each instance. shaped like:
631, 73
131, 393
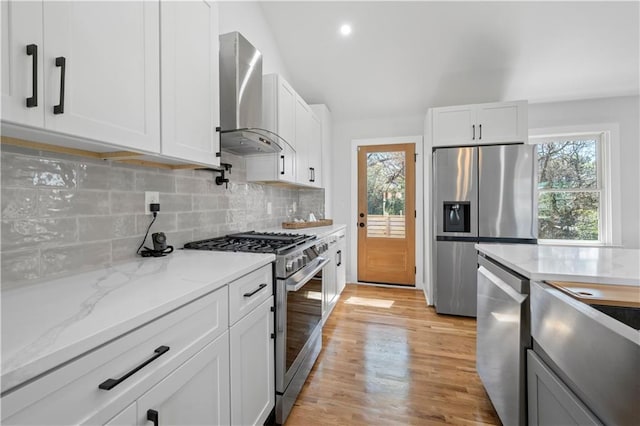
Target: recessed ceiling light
345, 30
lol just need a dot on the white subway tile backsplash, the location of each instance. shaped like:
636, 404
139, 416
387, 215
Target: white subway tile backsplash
61, 203
20, 266
93, 228
146, 181
30, 171
103, 176
82, 257
127, 202
38, 232
165, 222
19, 203
175, 202
63, 214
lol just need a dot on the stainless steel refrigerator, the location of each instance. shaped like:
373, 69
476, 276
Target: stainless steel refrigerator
481, 194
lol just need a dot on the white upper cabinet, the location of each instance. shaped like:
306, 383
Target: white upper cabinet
189, 86
315, 151
92, 66
101, 71
75, 73
501, 122
303, 141
279, 108
22, 64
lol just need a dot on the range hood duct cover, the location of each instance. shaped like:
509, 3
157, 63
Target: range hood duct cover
241, 99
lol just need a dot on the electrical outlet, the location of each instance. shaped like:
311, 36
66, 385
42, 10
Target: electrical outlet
150, 197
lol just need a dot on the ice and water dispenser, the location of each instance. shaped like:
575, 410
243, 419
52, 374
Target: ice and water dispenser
457, 216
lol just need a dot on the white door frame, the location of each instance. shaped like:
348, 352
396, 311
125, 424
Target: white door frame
353, 230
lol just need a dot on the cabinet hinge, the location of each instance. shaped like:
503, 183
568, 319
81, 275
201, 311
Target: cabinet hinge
415, 270
273, 335
218, 154
415, 158
415, 213
273, 309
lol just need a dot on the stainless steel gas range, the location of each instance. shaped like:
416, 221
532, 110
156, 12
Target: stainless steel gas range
298, 272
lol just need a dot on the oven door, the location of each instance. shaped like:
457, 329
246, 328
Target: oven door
299, 316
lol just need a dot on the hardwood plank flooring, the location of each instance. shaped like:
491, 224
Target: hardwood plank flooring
388, 359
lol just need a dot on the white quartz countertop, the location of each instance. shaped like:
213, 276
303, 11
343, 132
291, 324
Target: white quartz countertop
603, 265
48, 323
318, 231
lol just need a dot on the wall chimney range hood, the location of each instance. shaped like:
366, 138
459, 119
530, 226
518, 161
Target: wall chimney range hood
241, 99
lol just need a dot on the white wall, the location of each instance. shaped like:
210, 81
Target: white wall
247, 18
624, 111
343, 133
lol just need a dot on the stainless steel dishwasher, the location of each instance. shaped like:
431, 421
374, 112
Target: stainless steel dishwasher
502, 338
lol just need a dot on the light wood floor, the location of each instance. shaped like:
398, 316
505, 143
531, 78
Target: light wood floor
388, 359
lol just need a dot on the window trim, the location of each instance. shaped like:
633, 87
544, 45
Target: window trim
608, 177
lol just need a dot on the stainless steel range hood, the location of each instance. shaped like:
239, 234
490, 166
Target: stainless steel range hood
241, 99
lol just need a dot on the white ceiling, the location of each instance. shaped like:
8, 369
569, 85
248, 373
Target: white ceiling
404, 57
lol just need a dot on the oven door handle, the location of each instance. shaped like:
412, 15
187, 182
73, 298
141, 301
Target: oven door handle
297, 284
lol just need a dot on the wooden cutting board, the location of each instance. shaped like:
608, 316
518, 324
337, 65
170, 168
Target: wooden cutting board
301, 225
601, 294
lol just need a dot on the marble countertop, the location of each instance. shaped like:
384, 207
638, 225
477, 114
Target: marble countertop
318, 231
602, 265
46, 324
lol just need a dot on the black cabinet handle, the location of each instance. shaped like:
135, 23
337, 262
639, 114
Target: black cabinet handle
153, 416
61, 62
112, 383
282, 158
339, 253
312, 174
474, 132
32, 50
480, 131
260, 287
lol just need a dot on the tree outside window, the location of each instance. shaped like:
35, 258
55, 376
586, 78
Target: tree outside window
570, 189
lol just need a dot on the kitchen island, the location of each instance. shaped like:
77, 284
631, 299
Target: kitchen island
582, 351
604, 265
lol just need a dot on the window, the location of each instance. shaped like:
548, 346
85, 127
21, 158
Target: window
572, 188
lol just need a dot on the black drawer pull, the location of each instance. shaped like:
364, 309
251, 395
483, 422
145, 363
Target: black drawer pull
112, 383
61, 62
260, 287
32, 50
153, 416
474, 132
480, 131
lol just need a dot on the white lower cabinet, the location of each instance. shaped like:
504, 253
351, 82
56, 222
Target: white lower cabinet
329, 286
126, 417
334, 274
341, 267
252, 366
196, 393
174, 370
550, 401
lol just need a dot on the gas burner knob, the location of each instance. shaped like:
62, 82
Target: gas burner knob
289, 265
